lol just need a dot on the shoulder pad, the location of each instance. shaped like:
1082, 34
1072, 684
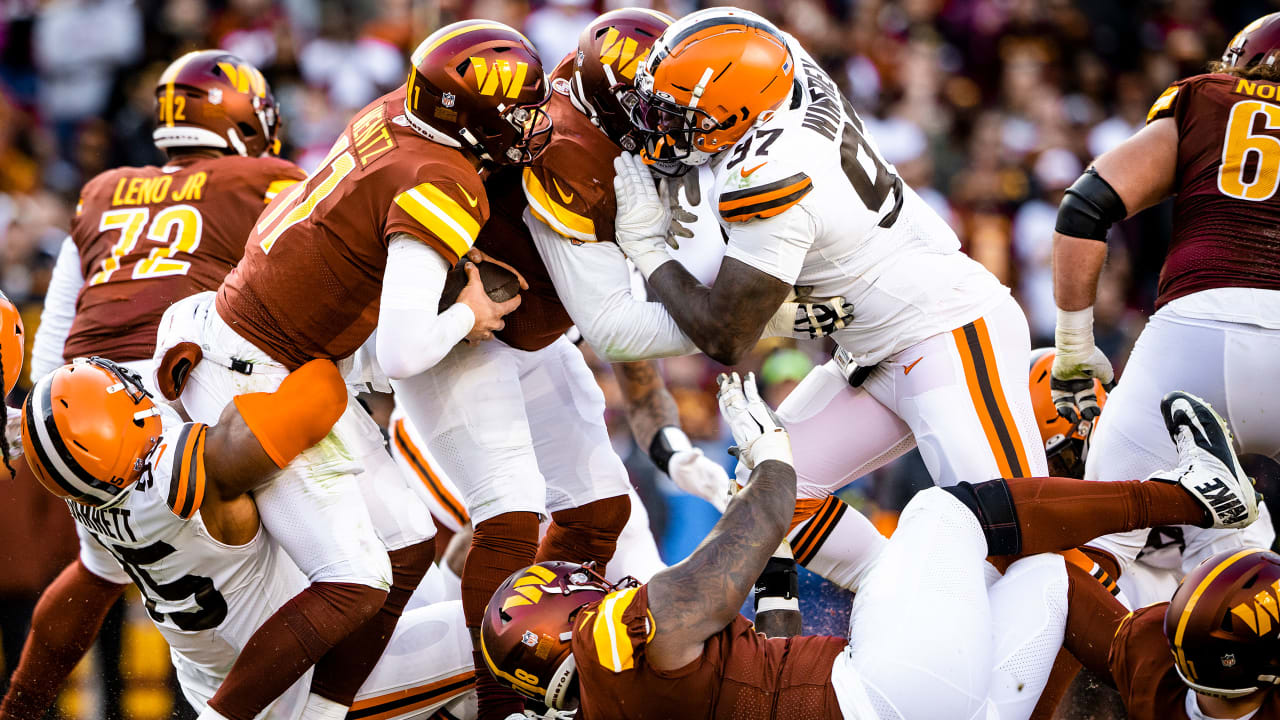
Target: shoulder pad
616, 638
450, 207
559, 205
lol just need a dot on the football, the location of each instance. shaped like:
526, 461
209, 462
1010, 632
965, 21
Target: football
499, 283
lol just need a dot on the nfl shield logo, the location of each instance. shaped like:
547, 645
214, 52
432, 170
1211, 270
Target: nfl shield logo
529, 639
1229, 660
448, 99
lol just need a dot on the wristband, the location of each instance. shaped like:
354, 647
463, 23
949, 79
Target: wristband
666, 443
778, 587
783, 322
1074, 329
649, 261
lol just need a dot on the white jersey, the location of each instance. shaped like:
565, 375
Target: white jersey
806, 197
206, 597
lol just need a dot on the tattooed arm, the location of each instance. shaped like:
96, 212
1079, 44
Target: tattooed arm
695, 599
649, 406
724, 321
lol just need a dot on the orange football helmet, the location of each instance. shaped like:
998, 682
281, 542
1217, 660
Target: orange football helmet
526, 635
707, 80
213, 99
1066, 444
12, 345
88, 429
1221, 624
479, 85
610, 52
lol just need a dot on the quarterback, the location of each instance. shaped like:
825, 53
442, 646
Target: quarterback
929, 632
1210, 142
164, 505
365, 242
935, 351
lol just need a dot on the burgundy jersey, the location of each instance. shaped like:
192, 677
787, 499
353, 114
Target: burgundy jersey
311, 278
1228, 175
741, 674
150, 236
541, 318
1142, 667
570, 189
570, 185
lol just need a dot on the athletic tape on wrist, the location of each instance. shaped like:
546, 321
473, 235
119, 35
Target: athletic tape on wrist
665, 444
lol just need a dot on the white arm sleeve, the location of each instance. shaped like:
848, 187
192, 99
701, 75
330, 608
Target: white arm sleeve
411, 336
775, 245
594, 283
59, 312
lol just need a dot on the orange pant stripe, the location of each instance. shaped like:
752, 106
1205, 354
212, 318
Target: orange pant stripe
413, 698
428, 477
974, 345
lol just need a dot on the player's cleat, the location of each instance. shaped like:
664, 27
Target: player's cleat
1207, 464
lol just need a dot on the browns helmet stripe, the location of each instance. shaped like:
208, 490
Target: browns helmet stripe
60, 464
669, 46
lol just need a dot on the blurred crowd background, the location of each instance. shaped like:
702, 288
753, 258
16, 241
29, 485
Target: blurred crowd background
989, 108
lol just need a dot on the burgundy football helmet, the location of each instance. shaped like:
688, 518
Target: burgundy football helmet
1257, 44
213, 99
527, 633
479, 85
1222, 624
609, 52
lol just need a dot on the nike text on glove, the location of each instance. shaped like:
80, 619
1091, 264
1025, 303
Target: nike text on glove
756, 429
1076, 364
643, 216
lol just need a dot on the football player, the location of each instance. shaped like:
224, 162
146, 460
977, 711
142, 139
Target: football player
165, 505
922, 644
1209, 142
145, 237
934, 353
365, 242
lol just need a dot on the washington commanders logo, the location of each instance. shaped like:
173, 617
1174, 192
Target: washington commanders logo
1262, 614
501, 75
527, 590
245, 78
621, 53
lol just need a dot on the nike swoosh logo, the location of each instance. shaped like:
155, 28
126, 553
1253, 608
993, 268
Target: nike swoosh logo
467, 195
907, 370
566, 199
747, 173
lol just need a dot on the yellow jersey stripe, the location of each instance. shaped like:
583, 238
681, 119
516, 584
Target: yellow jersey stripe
441, 215
555, 215
275, 188
1162, 103
613, 646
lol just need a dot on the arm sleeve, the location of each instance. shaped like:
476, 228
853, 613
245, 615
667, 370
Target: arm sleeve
63, 627
775, 245
594, 283
412, 337
59, 312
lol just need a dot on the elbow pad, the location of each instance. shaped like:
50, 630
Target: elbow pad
1089, 208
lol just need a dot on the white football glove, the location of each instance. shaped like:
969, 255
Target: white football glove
1076, 364
698, 475
756, 430
643, 217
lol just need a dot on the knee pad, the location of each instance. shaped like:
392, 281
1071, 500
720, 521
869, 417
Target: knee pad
586, 533
992, 503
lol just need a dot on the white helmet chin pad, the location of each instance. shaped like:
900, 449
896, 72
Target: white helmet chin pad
558, 687
188, 136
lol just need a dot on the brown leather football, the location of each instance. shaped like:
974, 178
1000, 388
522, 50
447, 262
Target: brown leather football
500, 284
